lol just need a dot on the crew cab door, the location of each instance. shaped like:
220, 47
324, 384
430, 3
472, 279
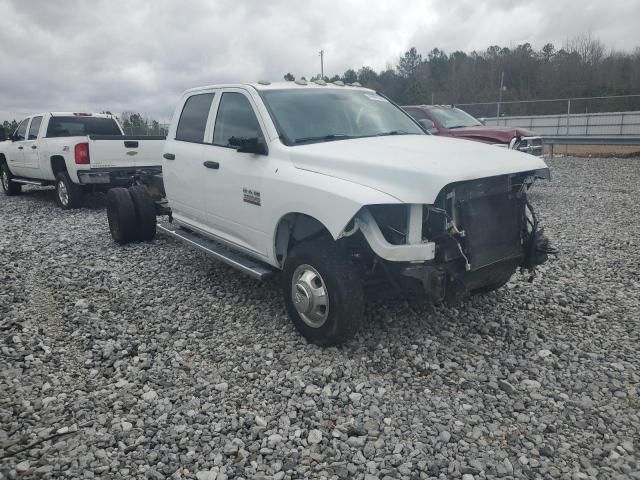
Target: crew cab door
234, 179
16, 149
31, 153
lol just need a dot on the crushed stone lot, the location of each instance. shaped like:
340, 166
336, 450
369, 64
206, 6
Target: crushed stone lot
152, 361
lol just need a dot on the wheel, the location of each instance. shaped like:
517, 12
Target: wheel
68, 194
145, 210
10, 187
323, 292
121, 214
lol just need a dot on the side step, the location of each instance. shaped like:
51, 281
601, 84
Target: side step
26, 181
246, 265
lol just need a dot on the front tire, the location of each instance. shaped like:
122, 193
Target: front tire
8, 185
68, 194
323, 292
121, 214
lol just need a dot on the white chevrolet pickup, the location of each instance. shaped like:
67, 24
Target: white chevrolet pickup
75, 152
340, 190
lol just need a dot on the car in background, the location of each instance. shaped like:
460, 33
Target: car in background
450, 121
76, 152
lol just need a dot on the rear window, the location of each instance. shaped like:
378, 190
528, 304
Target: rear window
79, 126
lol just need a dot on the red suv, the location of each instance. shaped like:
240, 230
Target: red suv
449, 121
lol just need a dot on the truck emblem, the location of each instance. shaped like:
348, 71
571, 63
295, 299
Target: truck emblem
251, 196
131, 153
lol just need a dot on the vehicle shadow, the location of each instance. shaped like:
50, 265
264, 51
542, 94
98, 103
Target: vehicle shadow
47, 195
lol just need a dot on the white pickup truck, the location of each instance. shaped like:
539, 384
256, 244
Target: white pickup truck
76, 152
340, 190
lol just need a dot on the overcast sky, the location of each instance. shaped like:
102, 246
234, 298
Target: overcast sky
140, 55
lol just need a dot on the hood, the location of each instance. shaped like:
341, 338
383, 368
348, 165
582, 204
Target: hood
490, 133
411, 168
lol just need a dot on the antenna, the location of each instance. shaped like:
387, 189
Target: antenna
321, 64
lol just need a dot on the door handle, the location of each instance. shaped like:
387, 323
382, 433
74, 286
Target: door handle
169, 156
210, 164
33, 147
20, 147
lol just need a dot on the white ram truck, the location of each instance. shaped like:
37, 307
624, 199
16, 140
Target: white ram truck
340, 190
76, 152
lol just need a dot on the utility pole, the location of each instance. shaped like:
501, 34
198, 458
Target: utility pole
500, 95
322, 64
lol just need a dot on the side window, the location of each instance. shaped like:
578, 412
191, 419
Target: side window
21, 131
193, 119
34, 128
235, 121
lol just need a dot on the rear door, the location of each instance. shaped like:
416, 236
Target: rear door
182, 163
16, 150
31, 152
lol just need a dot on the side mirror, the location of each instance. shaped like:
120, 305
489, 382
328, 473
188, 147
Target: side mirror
249, 145
428, 125
3, 135
482, 120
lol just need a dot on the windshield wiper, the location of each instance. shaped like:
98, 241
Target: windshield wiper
323, 138
392, 132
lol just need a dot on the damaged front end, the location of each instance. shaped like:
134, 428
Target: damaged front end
479, 232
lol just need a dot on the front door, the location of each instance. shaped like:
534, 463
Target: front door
16, 150
234, 179
31, 154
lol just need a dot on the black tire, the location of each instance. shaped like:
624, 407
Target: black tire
68, 194
145, 209
342, 284
10, 187
121, 214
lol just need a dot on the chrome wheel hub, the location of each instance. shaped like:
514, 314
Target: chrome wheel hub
309, 296
63, 194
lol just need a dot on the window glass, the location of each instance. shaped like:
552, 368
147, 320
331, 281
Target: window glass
34, 128
236, 120
454, 117
21, 131
326, 114
417, 114
193, 119
80, 126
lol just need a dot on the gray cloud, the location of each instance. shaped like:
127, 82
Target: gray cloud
139, 56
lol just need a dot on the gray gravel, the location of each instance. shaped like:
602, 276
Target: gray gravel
151, 361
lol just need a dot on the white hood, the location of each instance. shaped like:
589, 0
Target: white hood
411, 168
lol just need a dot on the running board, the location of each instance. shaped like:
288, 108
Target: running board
28, 182
246, 265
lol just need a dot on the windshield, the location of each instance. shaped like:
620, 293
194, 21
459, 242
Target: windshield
80, 126
453, 117
317, 115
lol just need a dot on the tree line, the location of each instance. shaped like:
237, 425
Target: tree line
582, 67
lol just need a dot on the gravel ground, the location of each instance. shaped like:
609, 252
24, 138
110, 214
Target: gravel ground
151, 361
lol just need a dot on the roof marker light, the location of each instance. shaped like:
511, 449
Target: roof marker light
264, 82
301, 82
339, 83
356, 84
320, 82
